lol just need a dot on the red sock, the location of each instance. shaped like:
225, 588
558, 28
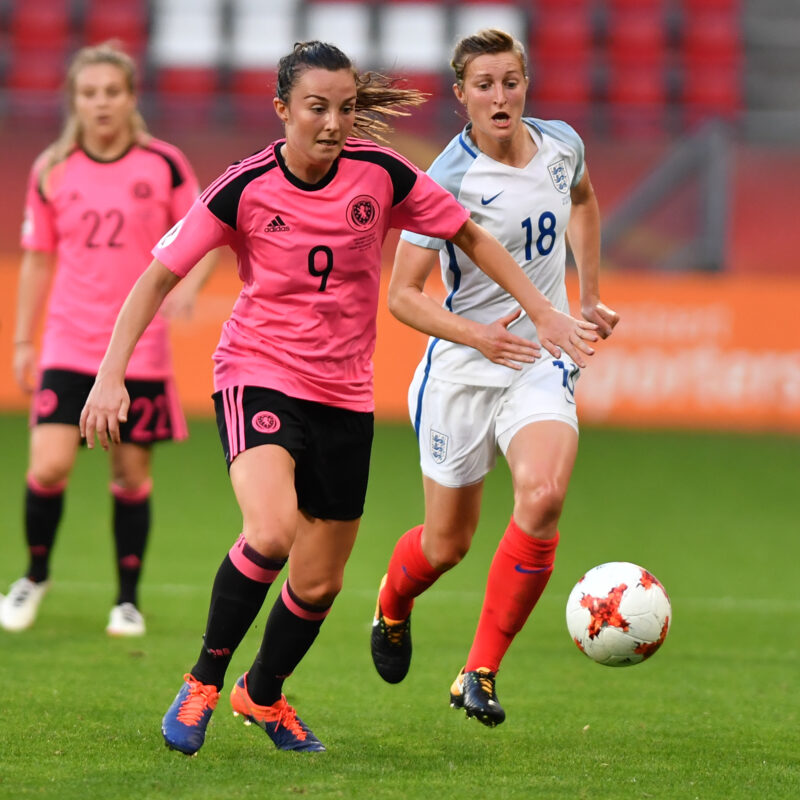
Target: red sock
409, 575
520, 569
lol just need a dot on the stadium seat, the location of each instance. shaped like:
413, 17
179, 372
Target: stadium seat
412, 37
259, 40
637, 97
187, 33
711, 38
413, 45
40, 25
125, 21
562, 90
637, 6
694, 6
561, 36
469, 17
251, 93
637, 37
711, 92
346, 24
187, 94
34, 83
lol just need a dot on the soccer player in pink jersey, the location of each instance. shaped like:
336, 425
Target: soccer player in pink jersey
526, 181
306, 217
98, 199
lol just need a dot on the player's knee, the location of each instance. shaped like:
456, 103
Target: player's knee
320, 593
445, 555
538, 505
49, 474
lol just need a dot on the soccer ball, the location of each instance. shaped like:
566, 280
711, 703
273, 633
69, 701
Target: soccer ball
618, 614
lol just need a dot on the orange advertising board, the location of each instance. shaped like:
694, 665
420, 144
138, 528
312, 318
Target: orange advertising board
706, 352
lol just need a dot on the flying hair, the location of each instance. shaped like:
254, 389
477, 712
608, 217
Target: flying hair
378, 97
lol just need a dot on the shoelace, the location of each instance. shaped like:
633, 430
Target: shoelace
394, 633
129, 613
287, 717
200, 697
21, 595
486, 682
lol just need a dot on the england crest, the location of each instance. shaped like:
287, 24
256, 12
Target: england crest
558, 172
438, 446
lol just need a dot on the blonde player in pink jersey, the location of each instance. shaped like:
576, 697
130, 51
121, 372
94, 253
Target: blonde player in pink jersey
306, 217
526, 181
98, 199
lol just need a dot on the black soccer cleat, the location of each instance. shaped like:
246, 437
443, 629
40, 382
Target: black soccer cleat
475, 692
390, 644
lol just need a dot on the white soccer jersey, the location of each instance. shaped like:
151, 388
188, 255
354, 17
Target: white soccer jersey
527, 209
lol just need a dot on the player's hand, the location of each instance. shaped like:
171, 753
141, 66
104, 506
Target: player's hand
500, 346
106, 407
558, 331
604, 317
24, 366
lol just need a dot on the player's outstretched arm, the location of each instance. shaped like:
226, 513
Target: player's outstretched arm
108, 401
409, 303
557, 331
583, 235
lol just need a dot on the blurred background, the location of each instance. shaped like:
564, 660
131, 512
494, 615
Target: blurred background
689, 109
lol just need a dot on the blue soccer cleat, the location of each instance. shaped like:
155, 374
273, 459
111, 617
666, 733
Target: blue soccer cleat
184, 725
279, 721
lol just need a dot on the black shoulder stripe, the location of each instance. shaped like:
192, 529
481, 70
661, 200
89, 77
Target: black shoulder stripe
225, 203
175, 174
403, 177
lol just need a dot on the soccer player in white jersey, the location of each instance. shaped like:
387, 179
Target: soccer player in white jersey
307, 217
525, 180
98, 199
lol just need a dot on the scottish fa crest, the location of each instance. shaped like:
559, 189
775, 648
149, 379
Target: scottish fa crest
558, 172
438, 446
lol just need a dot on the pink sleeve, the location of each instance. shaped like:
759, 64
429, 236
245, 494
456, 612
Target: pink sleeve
38, 226
184, 195
189, 240
430, 210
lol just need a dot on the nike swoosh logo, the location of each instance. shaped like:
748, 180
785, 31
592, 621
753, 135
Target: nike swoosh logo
520, 568
485, 202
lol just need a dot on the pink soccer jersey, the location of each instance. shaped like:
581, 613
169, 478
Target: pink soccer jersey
102, 218
309, 257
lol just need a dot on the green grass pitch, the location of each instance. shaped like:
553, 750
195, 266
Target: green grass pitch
715, 714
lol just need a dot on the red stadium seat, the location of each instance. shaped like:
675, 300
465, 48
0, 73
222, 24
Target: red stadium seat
637, 97
637, 37
712, 39
40, 24
34, 82
251, 92
123, 20
694, 6
562, 36
187, 93
711, 92
562, 91
637, 6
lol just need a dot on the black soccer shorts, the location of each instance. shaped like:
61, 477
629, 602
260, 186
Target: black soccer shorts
331, 446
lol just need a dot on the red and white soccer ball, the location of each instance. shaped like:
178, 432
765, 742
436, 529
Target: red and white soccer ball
618, 614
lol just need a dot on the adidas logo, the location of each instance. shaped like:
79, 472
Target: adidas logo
276, 225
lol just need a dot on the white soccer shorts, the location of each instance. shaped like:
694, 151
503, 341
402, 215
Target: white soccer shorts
461, 427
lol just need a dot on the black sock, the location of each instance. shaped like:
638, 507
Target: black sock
131, 528
43, 509
287, 638
235, 602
